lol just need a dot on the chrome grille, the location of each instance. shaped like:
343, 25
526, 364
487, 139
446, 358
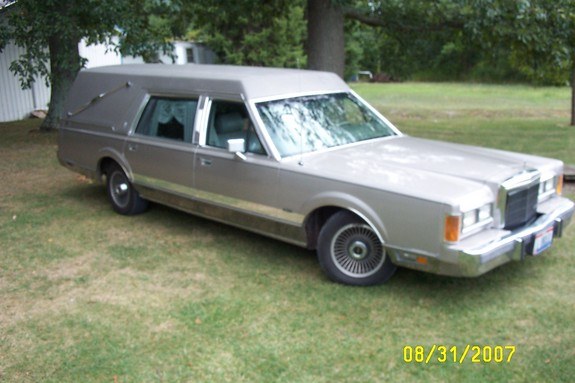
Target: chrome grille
521, 206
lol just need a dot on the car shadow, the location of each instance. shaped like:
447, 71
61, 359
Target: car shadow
410, 284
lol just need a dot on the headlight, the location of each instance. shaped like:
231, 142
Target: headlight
470, 221
478, 216
484, 212
549, 185
469, 218
546, 186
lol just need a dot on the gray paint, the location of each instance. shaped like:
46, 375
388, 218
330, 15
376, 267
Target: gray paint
403, 187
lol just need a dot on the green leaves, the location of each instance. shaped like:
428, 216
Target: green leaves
537, 34
271, 35
50, 31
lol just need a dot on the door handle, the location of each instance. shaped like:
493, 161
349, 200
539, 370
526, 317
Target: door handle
132, 147
205, 162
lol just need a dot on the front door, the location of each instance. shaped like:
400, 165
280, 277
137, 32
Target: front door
241, 188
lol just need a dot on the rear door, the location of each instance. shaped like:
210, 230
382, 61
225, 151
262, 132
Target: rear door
160, 152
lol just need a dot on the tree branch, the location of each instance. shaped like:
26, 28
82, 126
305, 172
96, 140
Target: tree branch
379, 21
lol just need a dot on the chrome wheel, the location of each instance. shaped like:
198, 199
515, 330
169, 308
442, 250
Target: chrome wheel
357, 251
123, 197
119, 189
350, 251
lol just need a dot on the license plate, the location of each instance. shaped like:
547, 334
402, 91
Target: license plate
543, 241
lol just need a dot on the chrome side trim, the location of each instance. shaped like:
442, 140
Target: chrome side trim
265, 225
247, 207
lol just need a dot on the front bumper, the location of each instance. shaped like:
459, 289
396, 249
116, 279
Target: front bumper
476, 257
489, 249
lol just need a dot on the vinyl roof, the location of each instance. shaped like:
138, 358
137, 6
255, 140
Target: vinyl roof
251, 82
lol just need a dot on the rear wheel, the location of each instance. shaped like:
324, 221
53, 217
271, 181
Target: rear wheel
121, 193
350, 252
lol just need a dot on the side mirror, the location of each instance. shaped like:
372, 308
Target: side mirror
238, 147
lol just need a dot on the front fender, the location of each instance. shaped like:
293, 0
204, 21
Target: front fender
351, 203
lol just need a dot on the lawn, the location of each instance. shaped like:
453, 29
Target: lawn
87, 295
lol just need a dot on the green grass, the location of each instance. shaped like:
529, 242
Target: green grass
88, 295
517, 118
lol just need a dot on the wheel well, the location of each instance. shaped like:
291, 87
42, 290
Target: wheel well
103, 165
315, 221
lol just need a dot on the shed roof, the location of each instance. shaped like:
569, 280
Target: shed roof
252, 82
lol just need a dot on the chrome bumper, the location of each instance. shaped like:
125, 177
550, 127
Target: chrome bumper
475, 258
489, 249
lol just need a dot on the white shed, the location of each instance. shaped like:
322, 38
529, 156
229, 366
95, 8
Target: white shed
16, 103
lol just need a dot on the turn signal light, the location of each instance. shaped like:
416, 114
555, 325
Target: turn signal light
452, 228
559, 187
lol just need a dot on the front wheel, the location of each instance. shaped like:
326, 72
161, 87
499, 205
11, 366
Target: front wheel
350, 252
123, 197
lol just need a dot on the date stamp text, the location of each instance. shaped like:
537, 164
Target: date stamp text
454, 354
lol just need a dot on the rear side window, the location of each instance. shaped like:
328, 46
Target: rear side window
168, 118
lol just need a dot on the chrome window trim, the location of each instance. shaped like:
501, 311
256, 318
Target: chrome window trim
138, 116
296, 95
202, 118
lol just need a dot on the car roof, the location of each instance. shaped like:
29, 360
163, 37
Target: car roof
251, 82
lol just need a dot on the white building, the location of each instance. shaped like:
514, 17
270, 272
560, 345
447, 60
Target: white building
16, 103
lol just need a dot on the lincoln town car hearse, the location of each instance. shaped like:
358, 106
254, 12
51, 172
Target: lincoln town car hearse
298, 156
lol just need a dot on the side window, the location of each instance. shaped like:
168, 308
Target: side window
230, 120
168, 118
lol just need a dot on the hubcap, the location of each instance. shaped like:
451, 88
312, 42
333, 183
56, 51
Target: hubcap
119, 188
357, 251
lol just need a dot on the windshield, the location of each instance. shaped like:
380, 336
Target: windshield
306, 124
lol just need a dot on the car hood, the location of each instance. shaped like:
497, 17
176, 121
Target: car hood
425, 168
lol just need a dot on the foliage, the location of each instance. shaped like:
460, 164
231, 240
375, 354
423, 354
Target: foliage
146, 28
50, 32
539, 35
407, 37
495, 40
272, 34
484, 40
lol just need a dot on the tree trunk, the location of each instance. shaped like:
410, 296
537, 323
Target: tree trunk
325, 44
64, 66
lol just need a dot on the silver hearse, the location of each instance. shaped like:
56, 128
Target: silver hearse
298, 156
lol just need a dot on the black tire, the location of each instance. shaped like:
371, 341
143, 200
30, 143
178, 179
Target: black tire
350, 252
121, 193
